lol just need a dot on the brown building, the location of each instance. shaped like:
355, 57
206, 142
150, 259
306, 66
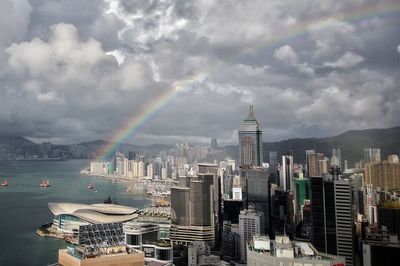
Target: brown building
385, 175
315, 165
116, 256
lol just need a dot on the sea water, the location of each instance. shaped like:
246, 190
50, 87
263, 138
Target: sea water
23, 205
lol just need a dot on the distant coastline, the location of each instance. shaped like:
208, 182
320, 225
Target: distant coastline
39, 159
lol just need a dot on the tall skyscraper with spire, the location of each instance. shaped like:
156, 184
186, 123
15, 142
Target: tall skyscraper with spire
250, 141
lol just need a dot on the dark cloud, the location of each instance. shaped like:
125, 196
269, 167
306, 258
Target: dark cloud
81, 70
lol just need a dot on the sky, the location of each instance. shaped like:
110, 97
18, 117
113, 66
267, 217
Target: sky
75, 70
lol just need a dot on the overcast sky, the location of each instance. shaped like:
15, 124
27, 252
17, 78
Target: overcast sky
74, 70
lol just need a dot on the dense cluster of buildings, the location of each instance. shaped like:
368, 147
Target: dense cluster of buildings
256, 211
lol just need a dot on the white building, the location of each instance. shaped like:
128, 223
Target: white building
262, 251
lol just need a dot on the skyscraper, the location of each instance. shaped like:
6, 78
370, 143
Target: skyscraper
372, 155
286, 172
258, 196
250, 223
250, 141
323, 235
344, 220
332, 219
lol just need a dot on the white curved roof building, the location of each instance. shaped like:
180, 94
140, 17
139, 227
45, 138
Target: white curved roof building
69, 216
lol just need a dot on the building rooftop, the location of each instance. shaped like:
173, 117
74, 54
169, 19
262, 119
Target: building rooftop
95, 213
284, 248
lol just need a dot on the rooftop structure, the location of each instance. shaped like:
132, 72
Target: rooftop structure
281, 251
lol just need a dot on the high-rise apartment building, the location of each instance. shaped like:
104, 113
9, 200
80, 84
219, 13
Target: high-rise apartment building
312, 163
383, 174
250, 141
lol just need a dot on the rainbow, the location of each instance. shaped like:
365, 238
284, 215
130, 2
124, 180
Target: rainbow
139, 120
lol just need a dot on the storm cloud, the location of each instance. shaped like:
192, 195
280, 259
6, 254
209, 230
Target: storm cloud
74, 71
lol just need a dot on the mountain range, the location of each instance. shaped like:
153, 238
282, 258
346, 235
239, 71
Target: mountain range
351, 144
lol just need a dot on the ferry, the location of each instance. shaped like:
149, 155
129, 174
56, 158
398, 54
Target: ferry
44, 182
5, 183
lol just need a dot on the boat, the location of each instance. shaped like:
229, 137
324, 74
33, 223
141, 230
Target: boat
44, 182
90, 186
5, 183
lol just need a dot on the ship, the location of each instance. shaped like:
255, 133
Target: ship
44, 182
90, 186
5, 183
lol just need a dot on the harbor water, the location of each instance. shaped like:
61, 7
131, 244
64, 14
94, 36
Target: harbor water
23, 205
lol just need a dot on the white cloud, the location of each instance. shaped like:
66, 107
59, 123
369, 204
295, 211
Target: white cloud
286, 54
347, 60
77, 75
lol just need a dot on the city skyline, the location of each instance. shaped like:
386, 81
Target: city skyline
75, 72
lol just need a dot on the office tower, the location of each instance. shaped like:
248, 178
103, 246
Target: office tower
273, 164
258, 197
383, 174
228, 184
180, 206
232, 210
332, 218
250, 223
372, 155
380, 249
208, 172
214, 144
323, 235
346, 165
344, 220
302, 187
389, 216
286, 172
192, 212
200, 209
230, 248
282, 212
250, 141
